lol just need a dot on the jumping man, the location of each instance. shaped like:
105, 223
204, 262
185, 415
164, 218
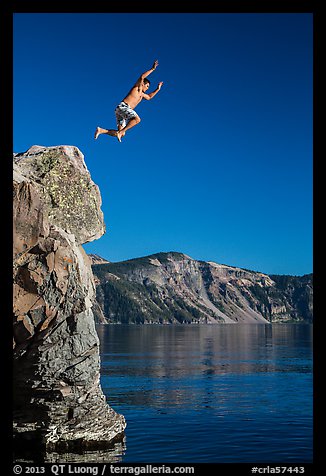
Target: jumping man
125, 111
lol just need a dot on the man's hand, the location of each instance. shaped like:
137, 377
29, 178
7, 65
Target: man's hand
155, 65
159, 85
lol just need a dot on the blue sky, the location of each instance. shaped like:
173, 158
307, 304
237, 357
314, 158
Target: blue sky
220, 168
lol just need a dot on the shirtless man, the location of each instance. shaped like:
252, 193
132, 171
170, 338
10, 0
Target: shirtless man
125, 114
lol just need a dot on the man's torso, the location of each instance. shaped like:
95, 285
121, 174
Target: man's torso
134, 97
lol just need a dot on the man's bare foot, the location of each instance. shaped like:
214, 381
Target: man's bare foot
97, 132
119, 134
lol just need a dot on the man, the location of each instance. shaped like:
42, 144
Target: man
125, 111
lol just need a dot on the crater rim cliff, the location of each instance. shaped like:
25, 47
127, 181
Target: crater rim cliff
182, 290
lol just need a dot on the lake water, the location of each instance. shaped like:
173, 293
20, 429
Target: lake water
210, 393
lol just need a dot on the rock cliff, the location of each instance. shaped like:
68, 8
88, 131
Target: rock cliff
174, 288
58, 400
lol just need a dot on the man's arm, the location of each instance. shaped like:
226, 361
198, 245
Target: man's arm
152, 94
146, 73
153, 68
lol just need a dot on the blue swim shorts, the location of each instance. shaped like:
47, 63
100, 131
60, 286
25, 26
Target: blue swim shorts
124, 114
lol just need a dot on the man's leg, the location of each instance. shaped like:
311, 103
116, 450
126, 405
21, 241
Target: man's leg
100, 130
132, 123
120, 127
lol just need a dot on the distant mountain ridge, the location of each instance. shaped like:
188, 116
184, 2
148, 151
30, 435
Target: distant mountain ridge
167, 288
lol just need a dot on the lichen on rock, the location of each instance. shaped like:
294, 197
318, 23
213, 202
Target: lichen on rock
58, 400
71, 198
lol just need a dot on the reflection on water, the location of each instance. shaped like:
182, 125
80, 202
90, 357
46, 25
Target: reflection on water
112, 455
214, 349
222, 393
